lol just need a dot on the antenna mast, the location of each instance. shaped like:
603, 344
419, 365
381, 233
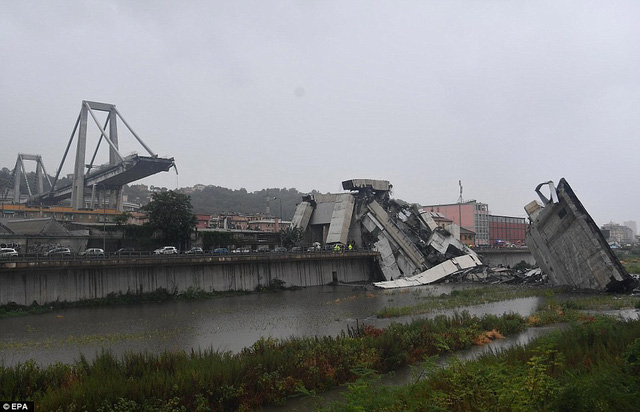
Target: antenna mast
460, 199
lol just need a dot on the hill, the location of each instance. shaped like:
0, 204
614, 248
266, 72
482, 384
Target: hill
209, 200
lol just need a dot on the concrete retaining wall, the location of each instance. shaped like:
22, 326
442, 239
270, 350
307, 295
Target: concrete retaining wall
76, 280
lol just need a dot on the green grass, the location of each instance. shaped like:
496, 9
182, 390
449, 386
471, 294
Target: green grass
273, 370
631, 264
268, 372
466, 297
497, 293
600, 302
593, 365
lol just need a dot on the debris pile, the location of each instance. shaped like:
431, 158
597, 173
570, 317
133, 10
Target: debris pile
500, 275
565, 242
413, 249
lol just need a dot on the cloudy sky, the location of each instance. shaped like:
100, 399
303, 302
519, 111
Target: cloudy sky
502, 95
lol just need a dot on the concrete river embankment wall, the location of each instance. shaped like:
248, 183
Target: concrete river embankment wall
24, 282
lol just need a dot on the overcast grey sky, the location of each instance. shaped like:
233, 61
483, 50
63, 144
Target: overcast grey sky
502, 95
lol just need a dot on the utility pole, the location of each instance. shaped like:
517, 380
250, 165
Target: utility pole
460, 202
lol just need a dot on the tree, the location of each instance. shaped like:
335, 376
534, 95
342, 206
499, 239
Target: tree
122, 218
291, 236
212, 240
170, 212
5, 180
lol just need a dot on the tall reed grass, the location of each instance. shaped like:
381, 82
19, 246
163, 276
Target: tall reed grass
268, 372
593, 365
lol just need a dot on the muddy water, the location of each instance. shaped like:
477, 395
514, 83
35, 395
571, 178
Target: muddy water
225, 324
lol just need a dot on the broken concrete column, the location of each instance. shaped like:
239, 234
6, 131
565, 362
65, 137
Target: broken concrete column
302, 215
341, 219
569, 247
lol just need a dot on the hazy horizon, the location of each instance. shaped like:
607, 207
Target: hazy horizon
297, 94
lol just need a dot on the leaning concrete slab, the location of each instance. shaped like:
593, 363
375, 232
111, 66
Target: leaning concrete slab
387, 262
302, 215
434, 274
341, 219
568, 246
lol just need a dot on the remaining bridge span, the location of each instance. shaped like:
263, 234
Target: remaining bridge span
110, 177
87, 178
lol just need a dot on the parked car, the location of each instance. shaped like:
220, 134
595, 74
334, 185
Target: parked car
221, 250
8, 253
125, 251
241, 250
59, 251
94, 251
166, 250
279, 249
195, 251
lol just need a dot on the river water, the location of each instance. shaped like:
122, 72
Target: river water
224, 324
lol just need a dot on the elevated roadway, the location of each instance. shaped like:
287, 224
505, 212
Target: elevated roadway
112, 177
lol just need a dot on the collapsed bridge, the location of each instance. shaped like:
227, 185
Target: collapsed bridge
409, 241
566, 243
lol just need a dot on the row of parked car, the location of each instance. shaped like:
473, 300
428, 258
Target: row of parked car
170, 250
7, 253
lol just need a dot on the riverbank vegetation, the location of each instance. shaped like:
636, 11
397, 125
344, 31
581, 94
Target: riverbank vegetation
631, 264
268, 372
273, 370
464, 297
593, 365
498, 293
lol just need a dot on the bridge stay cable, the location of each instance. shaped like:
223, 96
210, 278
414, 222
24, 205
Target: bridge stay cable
64, 157
151, 153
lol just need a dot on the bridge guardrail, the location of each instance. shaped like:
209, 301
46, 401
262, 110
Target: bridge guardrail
38, 257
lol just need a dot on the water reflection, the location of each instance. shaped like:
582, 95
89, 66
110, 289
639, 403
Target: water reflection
225, 324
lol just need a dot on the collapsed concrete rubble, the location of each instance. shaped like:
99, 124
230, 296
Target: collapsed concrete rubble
500, 275
413, 249
568, 246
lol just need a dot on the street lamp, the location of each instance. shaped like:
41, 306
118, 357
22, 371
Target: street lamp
280, 200
104, 223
